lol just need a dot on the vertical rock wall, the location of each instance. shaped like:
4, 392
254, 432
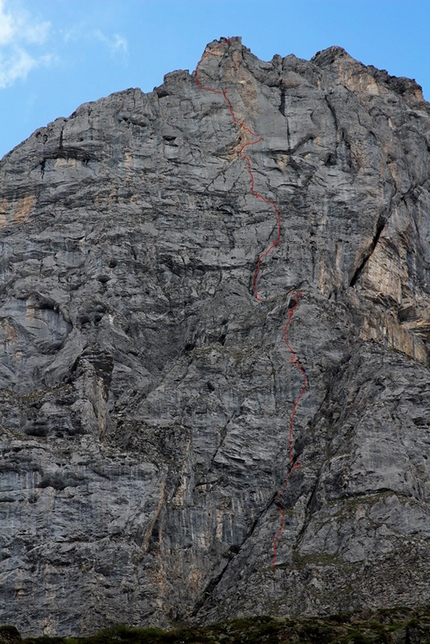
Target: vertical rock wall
146, 394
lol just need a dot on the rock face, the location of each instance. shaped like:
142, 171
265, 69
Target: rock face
146, 393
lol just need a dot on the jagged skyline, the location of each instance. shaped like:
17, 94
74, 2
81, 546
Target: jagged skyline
55, 55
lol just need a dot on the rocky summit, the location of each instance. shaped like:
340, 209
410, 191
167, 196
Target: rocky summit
215, 324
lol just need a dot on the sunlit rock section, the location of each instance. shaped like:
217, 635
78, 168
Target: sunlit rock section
145, 393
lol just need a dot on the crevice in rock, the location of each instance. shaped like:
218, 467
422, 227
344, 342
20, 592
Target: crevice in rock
343, 145
282, 104
223, 435
208, 591
75, 153
333, 112
206, 595
367, 255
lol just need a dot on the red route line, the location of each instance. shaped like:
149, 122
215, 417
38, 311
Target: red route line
255, 194
293, 465
276, 242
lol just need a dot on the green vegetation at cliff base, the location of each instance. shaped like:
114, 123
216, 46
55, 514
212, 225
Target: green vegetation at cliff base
393, 626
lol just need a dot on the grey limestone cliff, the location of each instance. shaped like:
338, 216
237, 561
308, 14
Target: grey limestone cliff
146, 394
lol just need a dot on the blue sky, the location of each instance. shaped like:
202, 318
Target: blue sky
57, 54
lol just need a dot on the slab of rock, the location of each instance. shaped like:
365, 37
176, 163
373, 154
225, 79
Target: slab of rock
146, 394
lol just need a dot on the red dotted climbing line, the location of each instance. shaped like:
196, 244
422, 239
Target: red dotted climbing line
293, 465
276, 242
255, 194
294, 360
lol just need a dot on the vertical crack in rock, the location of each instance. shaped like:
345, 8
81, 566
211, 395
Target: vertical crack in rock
282, 103
358, 271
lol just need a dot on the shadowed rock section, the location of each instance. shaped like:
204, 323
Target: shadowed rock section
146, 395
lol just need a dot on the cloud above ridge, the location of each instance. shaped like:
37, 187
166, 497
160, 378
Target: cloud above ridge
116, 43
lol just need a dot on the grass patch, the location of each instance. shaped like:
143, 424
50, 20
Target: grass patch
409, 626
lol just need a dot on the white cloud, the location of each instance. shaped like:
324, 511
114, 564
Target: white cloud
116, 44
7, 29
15, 66
69, 34
19, 34
120, 43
